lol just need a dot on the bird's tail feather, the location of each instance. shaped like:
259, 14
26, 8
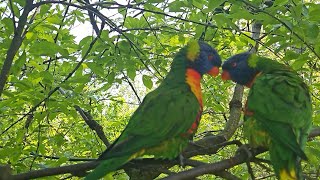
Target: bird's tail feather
291, 173
287, 165
107, 166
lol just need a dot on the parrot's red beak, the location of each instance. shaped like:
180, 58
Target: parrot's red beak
225, 75
214, 71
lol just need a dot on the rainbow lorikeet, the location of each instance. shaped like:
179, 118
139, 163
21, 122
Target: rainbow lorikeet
168, 116
278, 110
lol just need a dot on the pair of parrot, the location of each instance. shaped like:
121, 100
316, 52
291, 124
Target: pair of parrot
278, 109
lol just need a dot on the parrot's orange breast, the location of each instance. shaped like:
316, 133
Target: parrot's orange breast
193, 79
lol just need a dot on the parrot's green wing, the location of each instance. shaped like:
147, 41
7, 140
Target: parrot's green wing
166, 112
281, 106
157, 127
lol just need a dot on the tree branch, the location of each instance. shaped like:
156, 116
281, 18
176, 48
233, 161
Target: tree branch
235, 103
239, 158
156, 164
15, 45
77, 169
56, 157
92, 20
132, 87
235, 107
93, 125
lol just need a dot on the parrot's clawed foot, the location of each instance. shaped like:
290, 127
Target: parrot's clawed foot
245, 148
196, 145
181, 160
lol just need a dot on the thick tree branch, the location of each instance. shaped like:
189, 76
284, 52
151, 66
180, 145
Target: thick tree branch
15, 45
13, 15
77, 169
315, 132
235, 107
152, 164
239, 158
235, 103
92, 20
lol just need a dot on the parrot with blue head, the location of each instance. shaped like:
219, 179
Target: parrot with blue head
278, 110
169, 116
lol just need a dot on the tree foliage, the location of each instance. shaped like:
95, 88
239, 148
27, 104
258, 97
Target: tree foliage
64, 99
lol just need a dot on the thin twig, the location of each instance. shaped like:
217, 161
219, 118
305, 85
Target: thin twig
57, 157
93, 125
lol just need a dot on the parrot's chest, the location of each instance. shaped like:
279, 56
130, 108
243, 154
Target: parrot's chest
193, 79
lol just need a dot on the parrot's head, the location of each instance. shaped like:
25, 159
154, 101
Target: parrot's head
203, 58
240, 68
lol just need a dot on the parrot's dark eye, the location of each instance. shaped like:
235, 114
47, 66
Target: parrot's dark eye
210, 57
234, 64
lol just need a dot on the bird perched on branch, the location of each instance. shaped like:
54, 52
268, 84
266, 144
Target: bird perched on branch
169, 116
277, 112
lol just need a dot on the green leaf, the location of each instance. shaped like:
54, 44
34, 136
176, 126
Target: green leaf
20, 2
288, 23
16, 10
176, 6
219, 108
29, 35
313, 31
62, 160
79, 79
85, 40
198, 3
47, 77
290, 55
45, 48
298, 64
132, 22
111, 77
280, 2
147, 81
155, 1
214, 4
131, 73
16, 68
314, 15
54, 19
242, 13
313, 152
44, 9
223, 21
8, 25
96, 68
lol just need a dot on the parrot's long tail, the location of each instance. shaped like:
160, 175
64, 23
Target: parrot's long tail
107, 166
287, 165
